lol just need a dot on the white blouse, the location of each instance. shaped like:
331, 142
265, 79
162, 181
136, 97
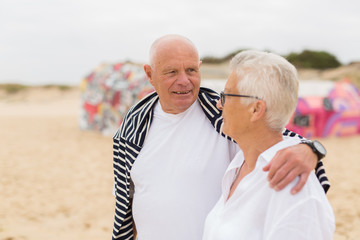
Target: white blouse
255, 211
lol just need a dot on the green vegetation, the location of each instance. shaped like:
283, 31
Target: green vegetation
215, 60
313, 59
306, 59
12, 88
60, 87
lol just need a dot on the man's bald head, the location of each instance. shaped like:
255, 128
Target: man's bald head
167, 43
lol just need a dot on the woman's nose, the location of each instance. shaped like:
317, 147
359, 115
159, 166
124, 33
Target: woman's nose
218, 105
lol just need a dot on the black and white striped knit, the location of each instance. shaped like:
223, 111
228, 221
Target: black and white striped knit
129, 139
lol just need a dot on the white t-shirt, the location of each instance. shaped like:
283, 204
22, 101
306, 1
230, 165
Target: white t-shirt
177, 175
255, 211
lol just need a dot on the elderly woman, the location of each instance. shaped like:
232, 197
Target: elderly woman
259, 99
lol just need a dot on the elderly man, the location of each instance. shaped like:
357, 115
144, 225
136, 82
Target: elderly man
170, 149
248, 208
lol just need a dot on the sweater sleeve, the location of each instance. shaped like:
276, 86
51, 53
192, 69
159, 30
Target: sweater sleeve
319, 169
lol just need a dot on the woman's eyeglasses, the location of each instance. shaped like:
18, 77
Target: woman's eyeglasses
222, 97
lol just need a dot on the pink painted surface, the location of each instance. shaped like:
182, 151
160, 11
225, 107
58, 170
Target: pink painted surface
338, 114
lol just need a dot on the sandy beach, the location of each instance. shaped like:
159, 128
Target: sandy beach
56, 180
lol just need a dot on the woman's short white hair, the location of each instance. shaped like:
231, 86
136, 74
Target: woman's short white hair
271, 78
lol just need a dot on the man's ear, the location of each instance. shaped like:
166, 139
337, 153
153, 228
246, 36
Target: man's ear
258, 110
148, 72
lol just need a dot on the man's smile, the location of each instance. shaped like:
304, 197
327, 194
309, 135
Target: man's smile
181, 92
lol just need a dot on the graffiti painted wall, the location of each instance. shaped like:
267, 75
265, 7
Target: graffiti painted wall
108, 92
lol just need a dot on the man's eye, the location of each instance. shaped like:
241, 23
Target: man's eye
191, 70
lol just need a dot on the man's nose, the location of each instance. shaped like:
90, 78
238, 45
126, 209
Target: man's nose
218, 105
183, 78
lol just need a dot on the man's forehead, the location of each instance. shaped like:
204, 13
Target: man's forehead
176, 62
175, 48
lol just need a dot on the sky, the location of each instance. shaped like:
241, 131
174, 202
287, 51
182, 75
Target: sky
62, 41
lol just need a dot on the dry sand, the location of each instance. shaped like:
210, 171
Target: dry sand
56, 180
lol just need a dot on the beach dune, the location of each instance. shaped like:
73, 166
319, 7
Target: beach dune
56, 180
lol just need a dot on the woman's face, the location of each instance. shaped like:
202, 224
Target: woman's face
235, 114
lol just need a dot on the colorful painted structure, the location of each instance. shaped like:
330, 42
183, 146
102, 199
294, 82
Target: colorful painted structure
337, 114
108, 92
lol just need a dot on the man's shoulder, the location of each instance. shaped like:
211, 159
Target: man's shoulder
137, 115
208, 99
145, 104
208, 93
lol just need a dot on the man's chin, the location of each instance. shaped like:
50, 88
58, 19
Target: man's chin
184, 104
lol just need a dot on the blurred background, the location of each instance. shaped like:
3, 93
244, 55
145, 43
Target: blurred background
69, 70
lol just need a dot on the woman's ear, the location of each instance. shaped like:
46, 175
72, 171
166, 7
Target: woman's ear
258, 110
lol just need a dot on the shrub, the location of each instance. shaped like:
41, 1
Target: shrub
313, 59
12, 88
215, 60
